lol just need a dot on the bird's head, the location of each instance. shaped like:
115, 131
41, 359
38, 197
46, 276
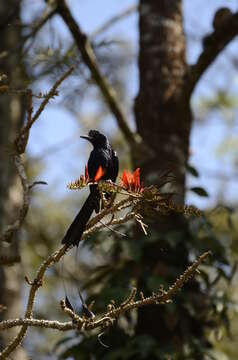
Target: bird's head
96, 138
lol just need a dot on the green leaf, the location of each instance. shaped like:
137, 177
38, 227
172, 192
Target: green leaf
199, 191
192, 170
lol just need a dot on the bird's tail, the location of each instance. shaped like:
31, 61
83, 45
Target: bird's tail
76, 229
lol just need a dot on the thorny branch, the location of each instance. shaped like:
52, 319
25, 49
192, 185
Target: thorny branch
137, 200
101, 321
32, 118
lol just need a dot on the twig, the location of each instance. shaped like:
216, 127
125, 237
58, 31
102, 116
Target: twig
107, 211
37, 25
105, 26
31, 119
165, 296
118, 221
38, 281
55, 257
53, 92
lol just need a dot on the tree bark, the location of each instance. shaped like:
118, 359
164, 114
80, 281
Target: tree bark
163, 119
163, 115
11, 119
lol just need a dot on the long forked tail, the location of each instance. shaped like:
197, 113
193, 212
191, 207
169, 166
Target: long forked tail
76, 229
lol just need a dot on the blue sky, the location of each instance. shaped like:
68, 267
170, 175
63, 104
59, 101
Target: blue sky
57, 125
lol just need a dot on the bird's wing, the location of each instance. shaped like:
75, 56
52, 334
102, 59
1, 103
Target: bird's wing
96, 159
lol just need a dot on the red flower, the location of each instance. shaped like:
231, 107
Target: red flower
131, 181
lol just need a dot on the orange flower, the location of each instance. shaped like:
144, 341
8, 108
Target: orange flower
131, 181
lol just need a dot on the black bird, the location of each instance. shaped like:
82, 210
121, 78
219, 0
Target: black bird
102, 155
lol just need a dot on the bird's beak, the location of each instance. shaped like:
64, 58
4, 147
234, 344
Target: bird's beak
86, 138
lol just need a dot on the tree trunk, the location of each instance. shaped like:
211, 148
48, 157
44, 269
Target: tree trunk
11, 119
163, 119
163, 115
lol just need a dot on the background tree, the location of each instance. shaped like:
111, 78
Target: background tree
160, 142
12, 114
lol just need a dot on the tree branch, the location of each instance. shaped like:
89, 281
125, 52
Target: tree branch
38, 281
51, 324
22, 138
94, 34
106, 319
139, 200
55, 257
89, 58
213, 46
